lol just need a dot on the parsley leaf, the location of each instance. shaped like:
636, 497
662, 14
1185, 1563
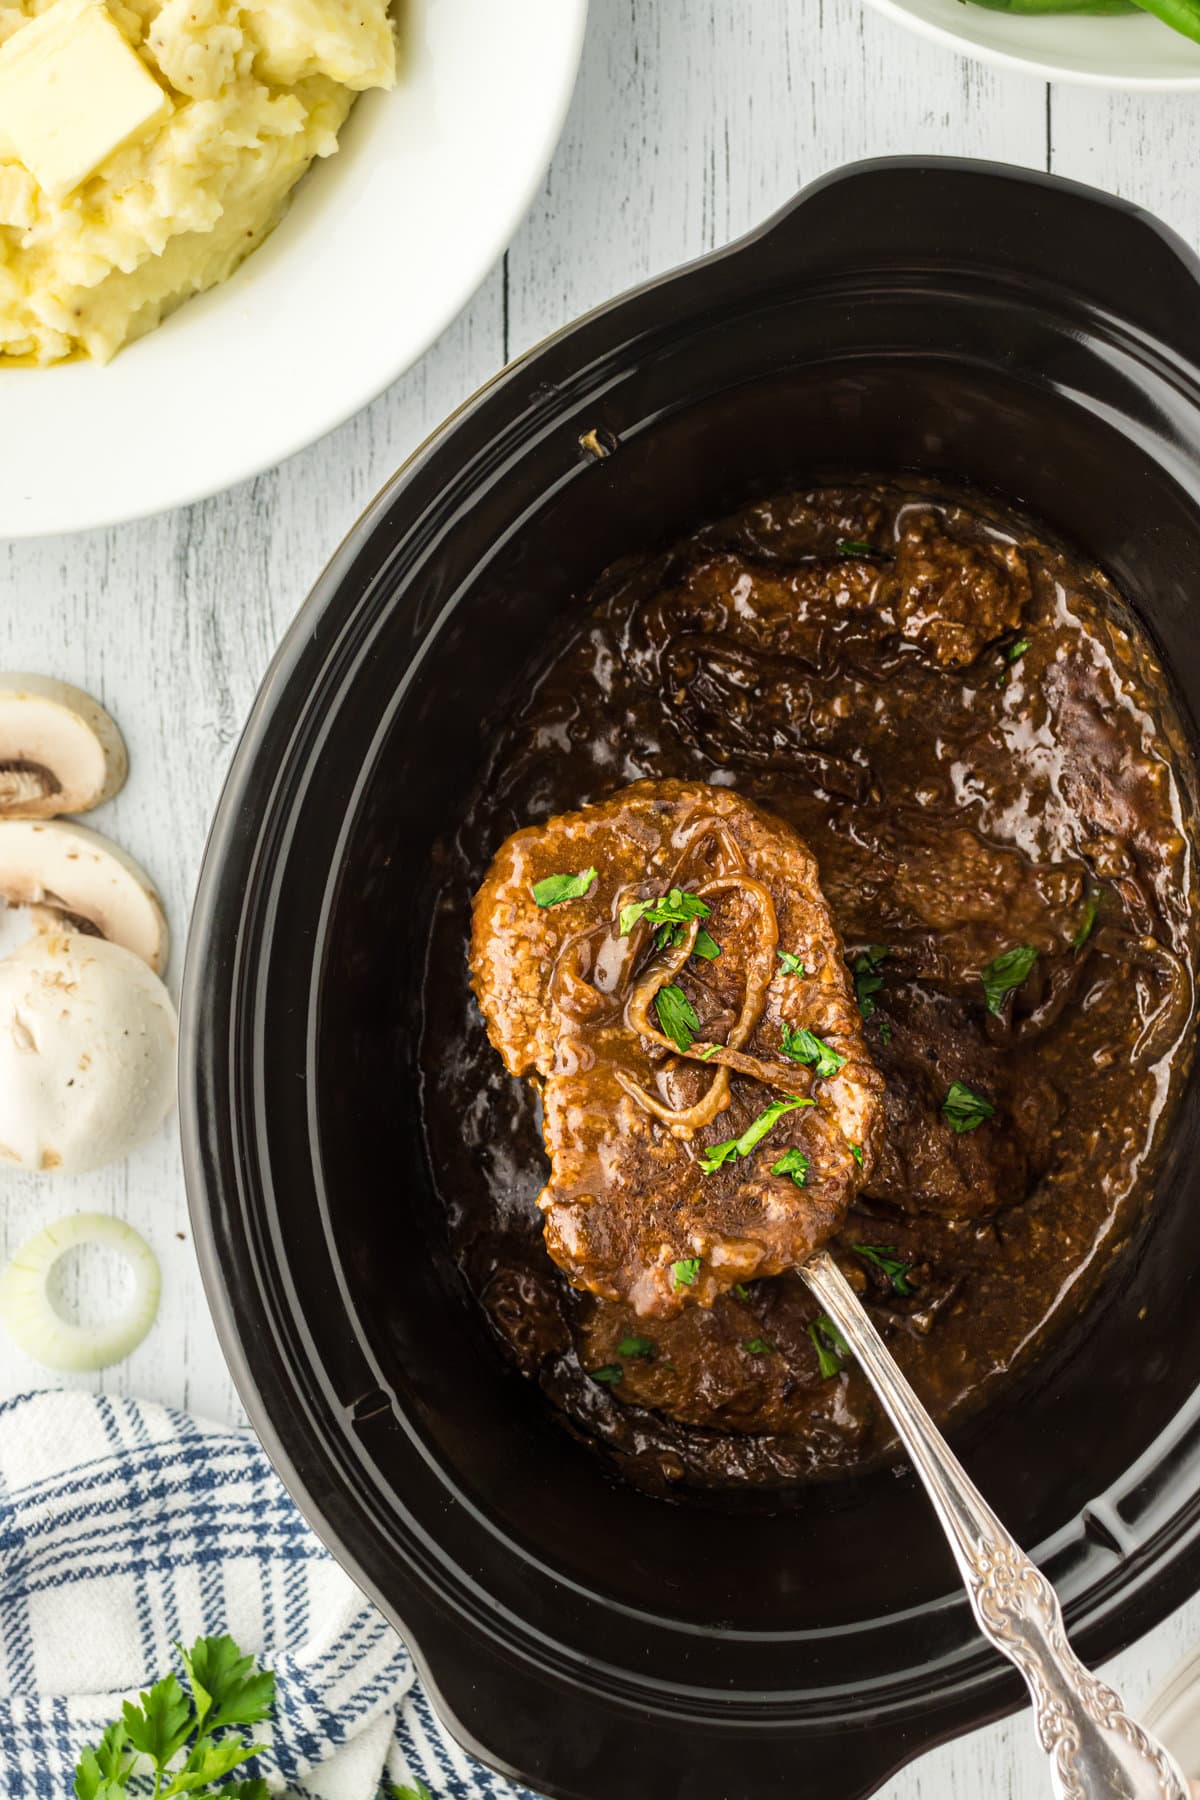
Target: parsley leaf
789, 963
802, 1047
793, 1163
226, 1691
857, 547
611, 1372
224, 1680
759, 1347
830, 1346
557, 888
675, 908
706, 946
856, 1153
102, 1769
867, 978
741, 1290
884, 1257
684, 1273
420, 1792
676, 1015
1087, 920
1005, 972
885, 1032
964, 1109
1011, 655
637, 1346
755, 1132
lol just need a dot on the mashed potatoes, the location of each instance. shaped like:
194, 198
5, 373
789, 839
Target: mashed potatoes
256, 90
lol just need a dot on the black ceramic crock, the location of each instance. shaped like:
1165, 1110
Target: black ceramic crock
966, 321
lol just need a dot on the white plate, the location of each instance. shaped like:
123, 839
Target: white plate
382, 247
1114, 53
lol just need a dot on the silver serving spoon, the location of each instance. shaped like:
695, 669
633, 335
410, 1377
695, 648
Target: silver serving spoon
1096, 1750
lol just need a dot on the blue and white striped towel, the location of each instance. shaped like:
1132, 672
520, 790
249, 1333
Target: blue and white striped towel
124, 1526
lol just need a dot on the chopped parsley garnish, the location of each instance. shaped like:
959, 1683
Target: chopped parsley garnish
794, 1163
1011, 655
676, 1015
884, 1257
759, 1347
684, 1273
611, 1373
964, 1109
755, 1132
830, 1346
557, 888
637, 1346
741, 1290
867, 979
885, 1032
1005, 972
789, 963
856, 547
703, 1055
1087, 921
802, 1047
856, 1152
672, 913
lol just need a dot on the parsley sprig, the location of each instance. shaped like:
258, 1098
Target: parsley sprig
1004, 972
831, 1347
203, 1726
672, 912
964, 1109
420, 1792
803, 1046
867, 977
755, 1132
789, 963
554, 889
885, 1259
677, 1016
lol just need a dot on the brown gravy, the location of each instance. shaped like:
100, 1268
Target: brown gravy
970, 730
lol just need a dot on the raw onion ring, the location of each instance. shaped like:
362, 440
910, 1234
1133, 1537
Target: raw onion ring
34, 1322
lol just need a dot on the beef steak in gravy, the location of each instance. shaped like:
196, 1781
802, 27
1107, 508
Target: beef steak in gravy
709, 1106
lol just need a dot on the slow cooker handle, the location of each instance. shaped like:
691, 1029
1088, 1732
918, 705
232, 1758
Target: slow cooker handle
994, 220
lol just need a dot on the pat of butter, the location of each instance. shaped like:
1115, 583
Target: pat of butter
71, 92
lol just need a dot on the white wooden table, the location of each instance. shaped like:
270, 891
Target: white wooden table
693, 120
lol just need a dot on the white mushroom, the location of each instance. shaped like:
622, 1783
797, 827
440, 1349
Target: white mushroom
87, 1053
73, 876
59, 750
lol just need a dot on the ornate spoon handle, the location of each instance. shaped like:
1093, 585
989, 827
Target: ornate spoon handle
1096, 1750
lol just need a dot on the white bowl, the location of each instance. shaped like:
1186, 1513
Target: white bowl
382, 247
1139, 53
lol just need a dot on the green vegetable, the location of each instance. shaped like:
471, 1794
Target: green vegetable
867, 979
830, 1346
676, 1015
1087, 921
741, 1290
1005, 972
759, 1347
856, 1152
1180, 15
703, 1055
793, 1163
684, 1273
802, 1047
884, 1257
637, 1346
1016, 651
202, 1727
420, 1792
673, 913
609, 1372
790, 964
1096, 8
755, 1132
557, 888
857, 547
885, 1032
965, 1109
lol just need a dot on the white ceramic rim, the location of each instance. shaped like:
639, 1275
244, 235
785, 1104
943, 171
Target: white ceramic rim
1047, 70
82, 503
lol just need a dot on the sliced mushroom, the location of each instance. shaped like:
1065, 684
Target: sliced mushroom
59, 750
87, 1053
76, 879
